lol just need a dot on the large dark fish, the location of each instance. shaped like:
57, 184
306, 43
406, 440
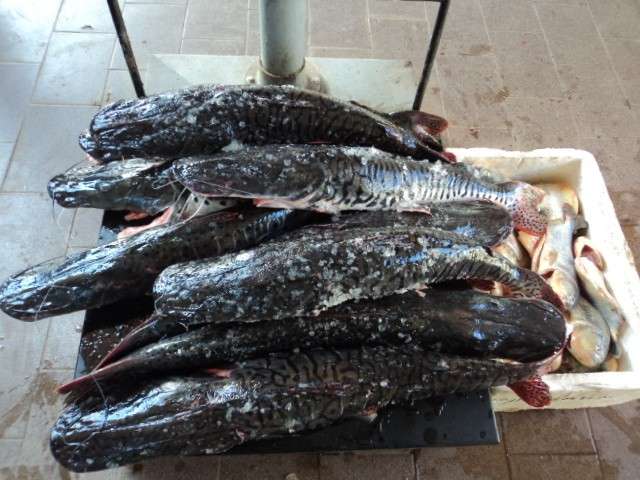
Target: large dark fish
127, 268
477, 223
205, 119
280, 395
137, 185
318, 268
465, 323
331, 178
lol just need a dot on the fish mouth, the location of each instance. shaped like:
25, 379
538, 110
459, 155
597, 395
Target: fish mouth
89, 144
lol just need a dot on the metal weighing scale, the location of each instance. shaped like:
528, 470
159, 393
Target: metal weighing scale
386, 85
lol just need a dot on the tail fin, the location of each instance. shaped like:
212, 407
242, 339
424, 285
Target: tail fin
526, 209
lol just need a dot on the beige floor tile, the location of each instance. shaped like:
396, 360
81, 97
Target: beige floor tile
334, 23
525, 64
46, 405
463, 19
625, 56
218, 19
470, 137
626, 204
153, 29
404, 39
75, 69
370, 466
6, 149
47, 145
252, 40
472, 89
63, 340
16, 85
22, 344
118, 86
269, 467
617, 18
9, 451
514, 15
547, 432
540, 122
210, 46
85, 16
25, 28
483, 462
397, 9
604, 120
618, 159
580, 86
86, 226
544, 467
337, 52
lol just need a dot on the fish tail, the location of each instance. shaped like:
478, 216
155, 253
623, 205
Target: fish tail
525, 208
85, 381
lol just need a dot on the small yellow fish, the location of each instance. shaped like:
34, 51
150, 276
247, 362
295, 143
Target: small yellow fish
590, 338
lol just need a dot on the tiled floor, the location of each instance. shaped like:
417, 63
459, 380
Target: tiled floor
510, 73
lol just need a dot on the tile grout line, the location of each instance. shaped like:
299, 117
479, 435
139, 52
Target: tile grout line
595, 444
184, 24
369, 31
556, 69
610, 59
106, 79
504, 445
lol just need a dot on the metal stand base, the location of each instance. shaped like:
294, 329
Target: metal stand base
385, 85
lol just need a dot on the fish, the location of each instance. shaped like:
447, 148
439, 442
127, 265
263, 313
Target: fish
590, 266
127, 268
590, 338
329, 178
313, 269
204, 119
140, 186
213, 410
513, 251
475, 222
464, 323
554, 260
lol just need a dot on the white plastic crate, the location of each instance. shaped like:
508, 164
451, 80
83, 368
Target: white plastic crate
579, 169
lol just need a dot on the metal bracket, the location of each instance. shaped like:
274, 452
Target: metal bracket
433, 44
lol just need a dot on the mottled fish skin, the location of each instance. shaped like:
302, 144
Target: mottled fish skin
127, 268
590, 338
265, 398
304, 275
331, 179
204, 119
479, 222
465, 323
138, 185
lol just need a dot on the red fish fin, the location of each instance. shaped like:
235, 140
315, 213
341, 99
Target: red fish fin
480, 284
449, 156
219, 372
419, 121
159, 220
532, 391
131, 216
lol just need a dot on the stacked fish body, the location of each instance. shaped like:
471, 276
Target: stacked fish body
321, 301
278, 395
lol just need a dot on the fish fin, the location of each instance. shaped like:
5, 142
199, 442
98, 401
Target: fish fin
482, 285
424, 210
420, 122
162, 219
533, 391
219, 372
526, 211
449, 157
132, 216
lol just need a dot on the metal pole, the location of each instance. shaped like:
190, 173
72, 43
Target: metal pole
431, 53
125, 45
283, 37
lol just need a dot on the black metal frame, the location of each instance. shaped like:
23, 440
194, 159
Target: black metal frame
433, 44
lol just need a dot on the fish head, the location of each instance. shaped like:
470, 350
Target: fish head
250, 174
527, 210
111, 186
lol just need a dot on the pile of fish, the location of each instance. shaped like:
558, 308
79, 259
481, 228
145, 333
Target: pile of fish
309, 260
